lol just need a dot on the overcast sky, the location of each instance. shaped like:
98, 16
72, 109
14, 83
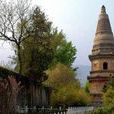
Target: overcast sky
77, 19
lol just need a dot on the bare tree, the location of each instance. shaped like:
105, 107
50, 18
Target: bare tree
9, 89
13, 21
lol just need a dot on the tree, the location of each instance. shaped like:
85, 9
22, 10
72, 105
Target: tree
13, 22
36, 51
66, 88
37, 44
45, 47
61, 75
65, 96
65, 53
108, 98
69, 95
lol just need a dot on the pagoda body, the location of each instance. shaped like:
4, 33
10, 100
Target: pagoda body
102, 58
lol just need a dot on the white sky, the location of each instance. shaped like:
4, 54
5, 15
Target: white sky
77, 19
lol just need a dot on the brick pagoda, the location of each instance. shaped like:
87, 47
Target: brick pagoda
102, 58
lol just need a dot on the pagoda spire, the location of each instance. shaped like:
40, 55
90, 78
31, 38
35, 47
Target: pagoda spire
103, 10
104, 40
103, 25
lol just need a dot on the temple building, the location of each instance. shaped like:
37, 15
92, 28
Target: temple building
102, 58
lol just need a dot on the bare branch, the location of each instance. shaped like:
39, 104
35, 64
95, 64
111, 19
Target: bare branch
14, 16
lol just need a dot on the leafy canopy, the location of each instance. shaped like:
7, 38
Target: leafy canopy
66, 88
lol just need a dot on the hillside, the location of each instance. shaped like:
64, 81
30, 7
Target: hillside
82, 73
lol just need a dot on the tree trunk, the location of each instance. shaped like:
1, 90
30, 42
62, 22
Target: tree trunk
19, 58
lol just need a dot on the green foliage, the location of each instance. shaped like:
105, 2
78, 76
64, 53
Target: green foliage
98, 111
36, 58
63, 96
84, 98
102, 110
36, 50
87, 87
44, 48
60, 75
67, 90
108, 98
65, 53
69, 95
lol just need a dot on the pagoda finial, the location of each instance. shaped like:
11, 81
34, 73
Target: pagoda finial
103, 10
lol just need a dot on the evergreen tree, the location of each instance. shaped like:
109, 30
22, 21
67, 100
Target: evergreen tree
36, 51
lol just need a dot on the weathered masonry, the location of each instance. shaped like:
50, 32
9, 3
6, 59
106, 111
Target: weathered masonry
102, 57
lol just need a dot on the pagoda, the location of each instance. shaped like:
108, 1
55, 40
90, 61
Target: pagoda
102, 58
